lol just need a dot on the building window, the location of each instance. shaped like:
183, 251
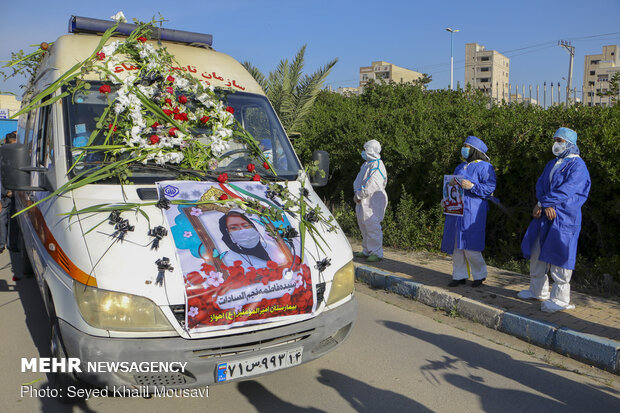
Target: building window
485, 69
603, 78
484, 80
364, 77
595, 62
484, 58
592, 72
590, 83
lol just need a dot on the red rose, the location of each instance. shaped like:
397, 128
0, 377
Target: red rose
142, 39
101, 55
177, 116
172, 131
168, 112
176, 110
170, 90
154, 125
221, 179
184, 116
194, 277
105, 89
182, 99
204, 119
154, 139
223, 197
111, 126
168, 101
256, 177
265, 165
170, 79
230, 109
251, 167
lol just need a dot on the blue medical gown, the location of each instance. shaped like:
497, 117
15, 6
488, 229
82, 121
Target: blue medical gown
469, 230
566, 192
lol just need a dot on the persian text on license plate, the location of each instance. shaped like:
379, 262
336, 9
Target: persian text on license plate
258, 365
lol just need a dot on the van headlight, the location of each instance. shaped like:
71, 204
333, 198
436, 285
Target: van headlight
111, 310
342, 285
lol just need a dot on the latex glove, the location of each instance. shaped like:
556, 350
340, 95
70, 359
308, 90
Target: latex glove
536, 212
466, 184
550, 213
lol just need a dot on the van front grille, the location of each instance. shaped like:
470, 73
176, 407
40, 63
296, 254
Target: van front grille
253, 346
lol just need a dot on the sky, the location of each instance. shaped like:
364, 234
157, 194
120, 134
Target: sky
407, 33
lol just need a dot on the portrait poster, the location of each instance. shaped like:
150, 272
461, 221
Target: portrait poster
239, 268
453, 195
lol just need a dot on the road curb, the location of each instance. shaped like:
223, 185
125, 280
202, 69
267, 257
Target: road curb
598, 351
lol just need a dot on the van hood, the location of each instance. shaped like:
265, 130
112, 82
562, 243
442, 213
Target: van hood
226, 264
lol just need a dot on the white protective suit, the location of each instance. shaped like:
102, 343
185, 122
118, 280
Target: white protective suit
369, 187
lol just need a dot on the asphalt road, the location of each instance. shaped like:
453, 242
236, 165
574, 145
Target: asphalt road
402, 356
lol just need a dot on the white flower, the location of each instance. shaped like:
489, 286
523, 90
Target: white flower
119, 17
110, 49
193, 312
181, 82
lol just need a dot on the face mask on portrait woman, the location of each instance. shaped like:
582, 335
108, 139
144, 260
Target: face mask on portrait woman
245, 238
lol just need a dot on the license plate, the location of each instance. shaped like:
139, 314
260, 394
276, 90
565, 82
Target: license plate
257, 365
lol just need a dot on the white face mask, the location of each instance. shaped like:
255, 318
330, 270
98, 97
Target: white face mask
246, 238
558, 148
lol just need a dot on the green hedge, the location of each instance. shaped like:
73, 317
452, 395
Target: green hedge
422, 132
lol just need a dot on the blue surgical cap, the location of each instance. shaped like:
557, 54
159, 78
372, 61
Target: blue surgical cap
477, 143
566, 134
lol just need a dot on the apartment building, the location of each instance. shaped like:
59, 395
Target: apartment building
487, 70
598, 70
9, 105
384, 71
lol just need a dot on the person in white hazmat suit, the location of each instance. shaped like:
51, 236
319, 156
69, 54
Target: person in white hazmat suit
370, 201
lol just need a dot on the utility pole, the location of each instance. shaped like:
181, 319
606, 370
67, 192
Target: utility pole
571, 51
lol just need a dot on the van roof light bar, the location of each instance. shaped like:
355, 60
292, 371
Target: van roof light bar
79, 24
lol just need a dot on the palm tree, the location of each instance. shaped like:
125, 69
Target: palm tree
291, 93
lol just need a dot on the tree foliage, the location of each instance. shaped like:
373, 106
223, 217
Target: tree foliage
421, 133
291, 93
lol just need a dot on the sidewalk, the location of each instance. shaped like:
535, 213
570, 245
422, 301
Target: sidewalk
590, 332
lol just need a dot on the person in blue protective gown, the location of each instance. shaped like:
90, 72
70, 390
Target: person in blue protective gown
370, 201
551, 238
464, 236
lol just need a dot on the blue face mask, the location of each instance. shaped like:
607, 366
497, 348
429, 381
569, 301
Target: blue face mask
364, 156
465, 152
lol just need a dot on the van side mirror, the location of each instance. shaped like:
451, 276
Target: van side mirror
323, 160
15, 168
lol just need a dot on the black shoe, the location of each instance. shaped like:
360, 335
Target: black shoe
477, 283
454, 283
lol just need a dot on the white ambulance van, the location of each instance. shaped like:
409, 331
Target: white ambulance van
204, 305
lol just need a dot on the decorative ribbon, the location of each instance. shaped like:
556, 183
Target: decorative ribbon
324, 263
121, 226
163, 203
312, 217
163, 265
158, 232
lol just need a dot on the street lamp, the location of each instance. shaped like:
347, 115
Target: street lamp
451, 30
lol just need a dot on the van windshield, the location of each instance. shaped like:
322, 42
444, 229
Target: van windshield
253, 112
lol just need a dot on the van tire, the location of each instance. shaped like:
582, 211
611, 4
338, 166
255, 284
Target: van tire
61, 381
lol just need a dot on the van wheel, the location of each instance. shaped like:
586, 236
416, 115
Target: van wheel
61, 380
